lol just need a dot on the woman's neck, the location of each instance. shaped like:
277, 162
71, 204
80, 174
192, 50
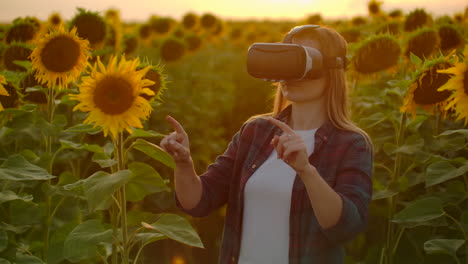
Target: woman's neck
307, 115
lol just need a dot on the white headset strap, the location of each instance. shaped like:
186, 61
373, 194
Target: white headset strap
308, 63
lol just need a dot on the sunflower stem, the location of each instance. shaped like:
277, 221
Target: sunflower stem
394, 199
48, 200
114, 224
437, 121
123, 200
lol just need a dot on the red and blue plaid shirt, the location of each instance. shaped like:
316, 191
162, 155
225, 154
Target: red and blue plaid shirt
341, 157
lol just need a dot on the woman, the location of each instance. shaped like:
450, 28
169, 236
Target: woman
297, 181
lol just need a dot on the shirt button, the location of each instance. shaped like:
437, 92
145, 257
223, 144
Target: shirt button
254, 166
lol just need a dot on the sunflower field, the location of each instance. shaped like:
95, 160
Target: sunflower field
83, 102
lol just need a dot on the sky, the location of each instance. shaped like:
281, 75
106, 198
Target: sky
141, 10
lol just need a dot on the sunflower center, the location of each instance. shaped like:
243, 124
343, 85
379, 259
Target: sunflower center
56, 20
60, 54
426, 92
113, 95
156, 78
90, 27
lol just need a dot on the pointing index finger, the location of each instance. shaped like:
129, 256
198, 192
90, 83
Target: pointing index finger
281, 125
175, 124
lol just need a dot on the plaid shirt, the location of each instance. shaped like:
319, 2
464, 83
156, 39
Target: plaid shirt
341, 158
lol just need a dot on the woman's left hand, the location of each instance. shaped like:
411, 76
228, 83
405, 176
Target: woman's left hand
290, 147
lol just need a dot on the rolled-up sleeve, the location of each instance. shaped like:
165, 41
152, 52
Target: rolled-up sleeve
354, 186
215, 181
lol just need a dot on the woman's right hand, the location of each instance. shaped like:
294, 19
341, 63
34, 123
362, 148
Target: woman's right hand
177, 144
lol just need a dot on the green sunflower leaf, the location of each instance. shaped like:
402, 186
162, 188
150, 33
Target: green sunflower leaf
442, 171
145, 180
17, 168
100, 187
27, 259
3, 240
83, 242
83, 128
154, 151
8, 195
14, 229
415, 59
78, 146
177, 228
148, 238
103, 160
419, 212
457, 131
443, 246
24, 63
137, 133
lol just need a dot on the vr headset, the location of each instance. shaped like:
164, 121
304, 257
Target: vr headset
286, 61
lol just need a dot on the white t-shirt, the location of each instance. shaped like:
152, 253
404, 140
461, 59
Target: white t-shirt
267, 203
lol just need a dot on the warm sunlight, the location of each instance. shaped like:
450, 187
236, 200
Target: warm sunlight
139, 10
233, 131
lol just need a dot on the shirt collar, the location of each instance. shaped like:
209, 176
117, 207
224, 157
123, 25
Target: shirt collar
324, 131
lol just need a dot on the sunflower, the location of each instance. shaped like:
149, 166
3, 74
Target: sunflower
208, 21
358, 21
458, 17
423, 42
159, 79
9, 97
218, 28
376, 53
190, 21
193, 42
60, 57
31, 92
3, 91
424, 91
450, 37
236, 34
416, 19
114, 25
315, 19
90, 26
172, 49
16, 51
374, 8
144, 31
113, 96
458, 84
21, 31
113, 16
55, 21
351, 35
161, 26
34, 20
178, 33
396, 13
130, 44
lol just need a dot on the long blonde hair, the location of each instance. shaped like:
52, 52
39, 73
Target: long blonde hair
337, 110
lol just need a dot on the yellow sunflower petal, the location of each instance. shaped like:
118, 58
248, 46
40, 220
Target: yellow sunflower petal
3, 91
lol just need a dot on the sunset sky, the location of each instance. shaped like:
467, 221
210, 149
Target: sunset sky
141, 10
